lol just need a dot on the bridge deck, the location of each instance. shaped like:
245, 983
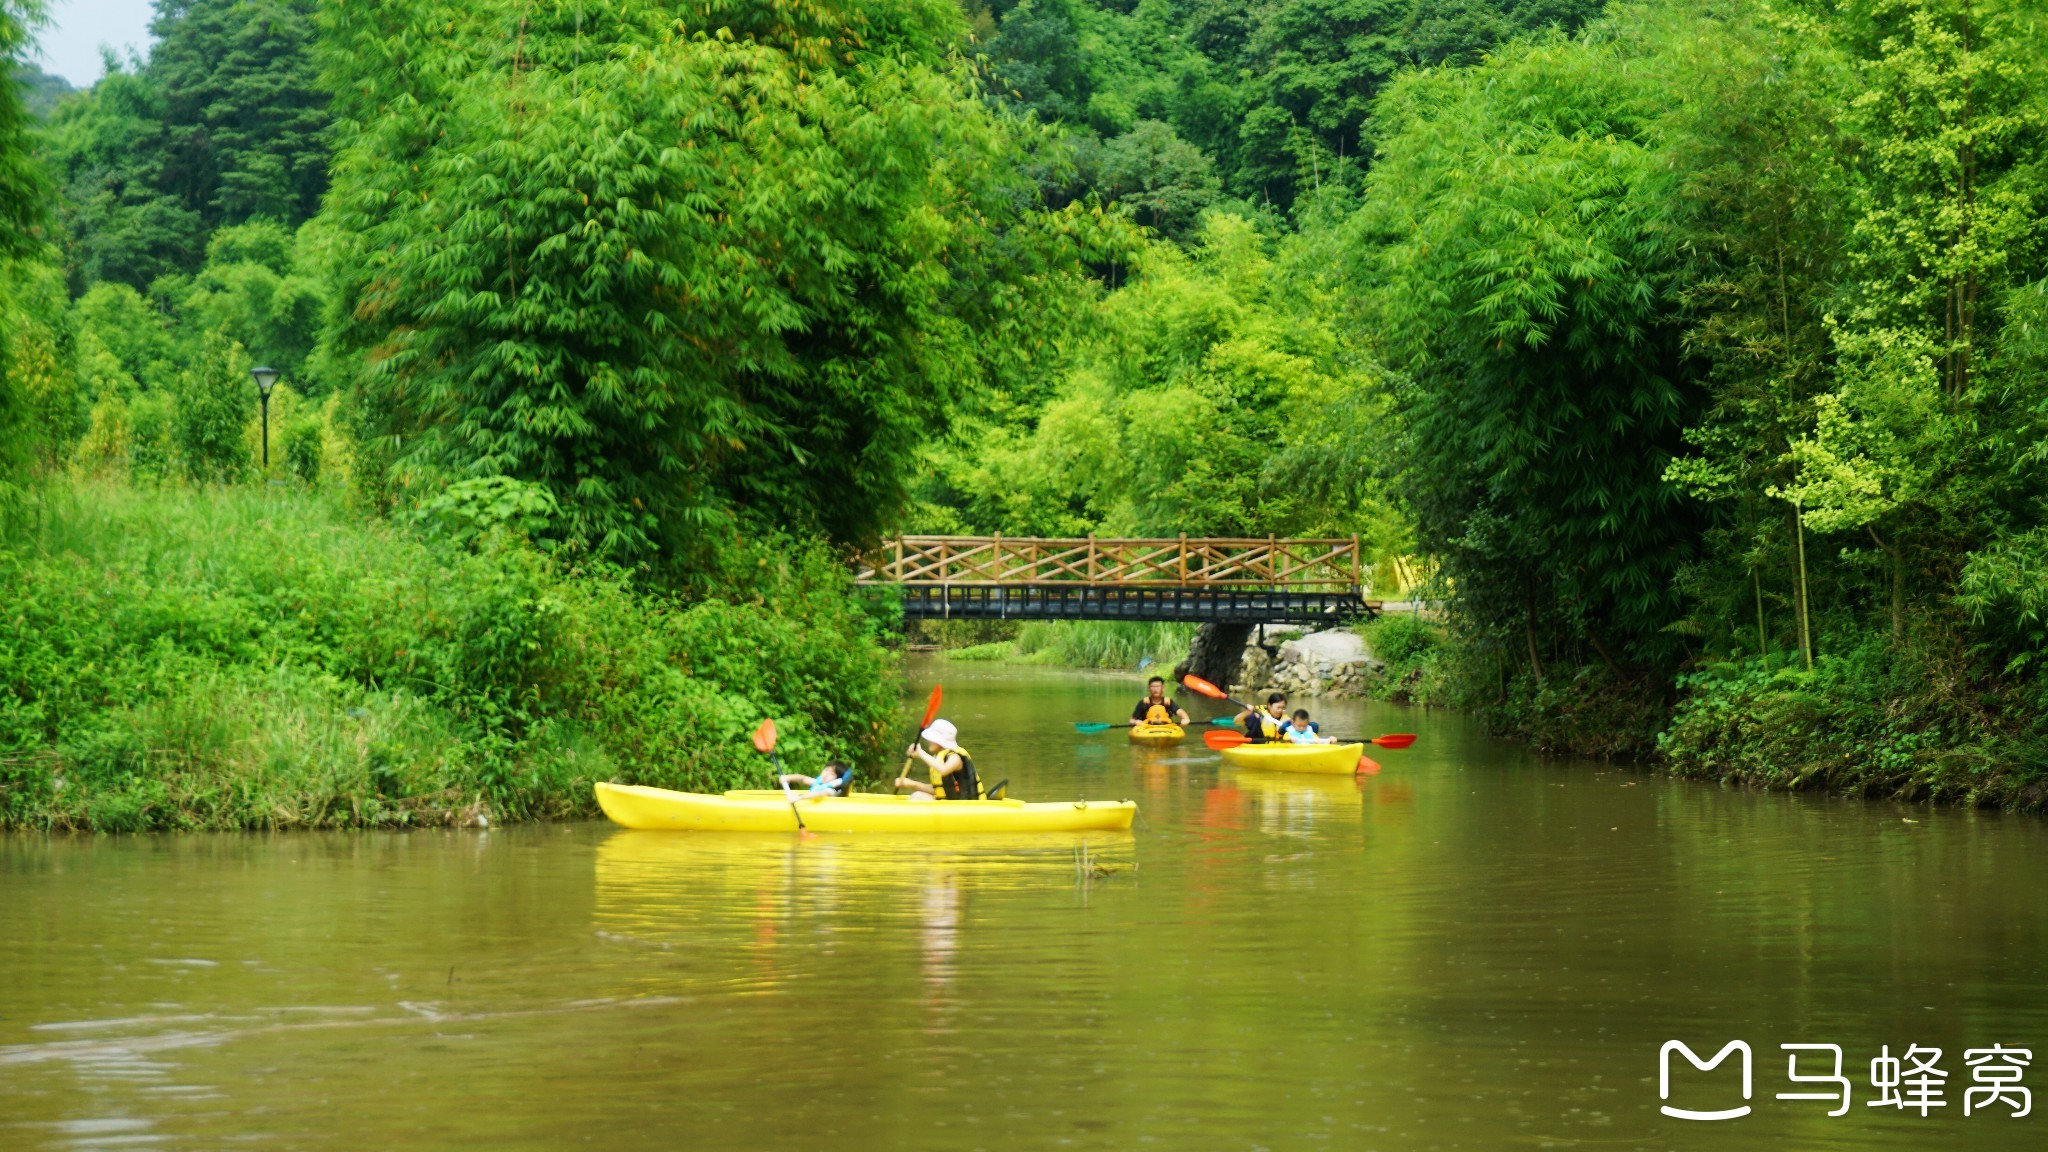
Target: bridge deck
1090, 602
1226, 580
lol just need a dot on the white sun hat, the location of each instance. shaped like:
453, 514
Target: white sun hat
943, 734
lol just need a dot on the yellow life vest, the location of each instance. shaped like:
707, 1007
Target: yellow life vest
1157, 714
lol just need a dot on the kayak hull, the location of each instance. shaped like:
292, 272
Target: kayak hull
660, 809
1324, 759
1157, 735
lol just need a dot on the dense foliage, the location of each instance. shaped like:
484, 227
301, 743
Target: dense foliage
667, 266
223, 659
1277, 95
1522, 263
225, 123
1698, 349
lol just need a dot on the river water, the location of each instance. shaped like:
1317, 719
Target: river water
1471, 949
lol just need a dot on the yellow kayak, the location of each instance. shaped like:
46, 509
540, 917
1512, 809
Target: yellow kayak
768, 811
1157, 734
1333, 759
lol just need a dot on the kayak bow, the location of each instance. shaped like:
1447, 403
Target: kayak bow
1157, 734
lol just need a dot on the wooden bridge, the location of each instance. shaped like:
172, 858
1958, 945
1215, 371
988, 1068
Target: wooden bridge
1237, 581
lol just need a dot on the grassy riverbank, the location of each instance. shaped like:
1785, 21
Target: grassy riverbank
241, 658
1920, 720
1876, 721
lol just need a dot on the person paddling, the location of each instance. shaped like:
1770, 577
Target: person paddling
1157, 707
1266, 725
952, 768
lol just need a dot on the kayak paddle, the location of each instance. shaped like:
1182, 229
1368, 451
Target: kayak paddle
1091, 726
1199, 685
1221, 740
931, 713
764, 743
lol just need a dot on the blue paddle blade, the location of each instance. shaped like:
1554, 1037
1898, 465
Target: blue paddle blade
1091, 726
1222, 721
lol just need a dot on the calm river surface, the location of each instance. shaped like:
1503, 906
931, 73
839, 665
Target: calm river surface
1472, 949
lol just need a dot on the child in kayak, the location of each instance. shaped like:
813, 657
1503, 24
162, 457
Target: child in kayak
1266, 725
1302, 730
831, 781
1157, 707
951, 767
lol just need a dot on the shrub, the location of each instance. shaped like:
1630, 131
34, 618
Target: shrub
1908, 721
150, 421
214, 404
302, 445
1402, 639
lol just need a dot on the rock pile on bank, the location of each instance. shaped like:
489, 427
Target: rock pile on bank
1331, 663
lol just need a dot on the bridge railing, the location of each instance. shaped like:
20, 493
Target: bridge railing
1182, 562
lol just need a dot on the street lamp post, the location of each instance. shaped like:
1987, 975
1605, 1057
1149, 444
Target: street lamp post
266, 378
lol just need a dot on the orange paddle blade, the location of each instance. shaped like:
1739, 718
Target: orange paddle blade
1397, 740
764, 737
1219, 740
1367, 766
1197, 684
931, 707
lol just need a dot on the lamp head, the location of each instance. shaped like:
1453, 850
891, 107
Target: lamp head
265, 379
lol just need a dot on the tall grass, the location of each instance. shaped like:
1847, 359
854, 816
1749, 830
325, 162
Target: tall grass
244, 658
1089, 644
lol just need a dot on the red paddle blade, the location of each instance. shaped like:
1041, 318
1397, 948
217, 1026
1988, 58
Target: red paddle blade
931, 707
1397, 740
1197, 684
1220, 740
764, 737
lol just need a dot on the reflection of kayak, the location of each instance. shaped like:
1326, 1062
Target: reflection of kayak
1299, 801
768, 811
1320, 790
1157, 734
733, 892
987, 859
1329, 758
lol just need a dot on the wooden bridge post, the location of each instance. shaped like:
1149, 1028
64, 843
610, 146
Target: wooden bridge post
1091, 557
1183, 559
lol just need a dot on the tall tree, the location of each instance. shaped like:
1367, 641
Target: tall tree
1953, 127
245, 114
669, 269
21, 185
108, 151
1524, 272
